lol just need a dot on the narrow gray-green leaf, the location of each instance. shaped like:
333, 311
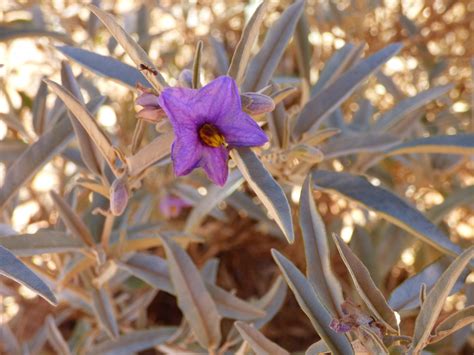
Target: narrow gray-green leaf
157, 150
258, 342
92, 128
335, 66
194, 299
154, 270
55, 337
134, 342
39, 109
266, 188
454, 144
263, 65
240, 59
131, 47
309, 302
354, 143
39, 153
197, 66
13, 268
209, 270
11, 149
215, 195
403, 108
89, 153
406, 295
42, 242
105, 66
387, 205
104, 310
8, 34
317, 348
220, 54
318, 264
72, 221
365, 286
453, 323
323, 104
435, 299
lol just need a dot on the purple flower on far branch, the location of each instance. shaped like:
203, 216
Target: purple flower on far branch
171, 206
206, 123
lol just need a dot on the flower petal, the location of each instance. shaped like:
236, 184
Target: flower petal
180, 106
242, 131
186, 154
214, 163
218, 99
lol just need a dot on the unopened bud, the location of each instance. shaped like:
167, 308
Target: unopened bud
151, 112
118, 197
256, 104
185, 78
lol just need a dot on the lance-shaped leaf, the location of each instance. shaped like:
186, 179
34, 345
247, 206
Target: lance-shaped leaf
11, 149
257, 341
104, 310
454, 144
105, 66
72, 221
209, 270
13, 268
8, 34
194, 299
158, 149
89, 153
266, 188
215, 195
270, 302
354, 143
339, 62
154, 270
435, 299
263, 65
39, 109
220, 54
318, 264
317, 348
131, 47
328, 100
405, 107
92, 128
134, 342
309, 302
365, 286
52, 142
42, 242
55, 337
240, 59
406, 295
453, 323
386, 204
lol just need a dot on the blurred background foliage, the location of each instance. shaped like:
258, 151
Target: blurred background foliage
438, 50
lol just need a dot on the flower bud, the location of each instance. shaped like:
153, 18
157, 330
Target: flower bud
256, 104
151, 112
185, 78
118, 197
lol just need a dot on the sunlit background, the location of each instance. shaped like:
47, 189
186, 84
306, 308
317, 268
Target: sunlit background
438, 50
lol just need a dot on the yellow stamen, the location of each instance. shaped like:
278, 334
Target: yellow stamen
211, 136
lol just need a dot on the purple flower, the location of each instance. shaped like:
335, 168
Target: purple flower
171, 206
206, 123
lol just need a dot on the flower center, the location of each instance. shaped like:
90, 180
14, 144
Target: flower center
210, 135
